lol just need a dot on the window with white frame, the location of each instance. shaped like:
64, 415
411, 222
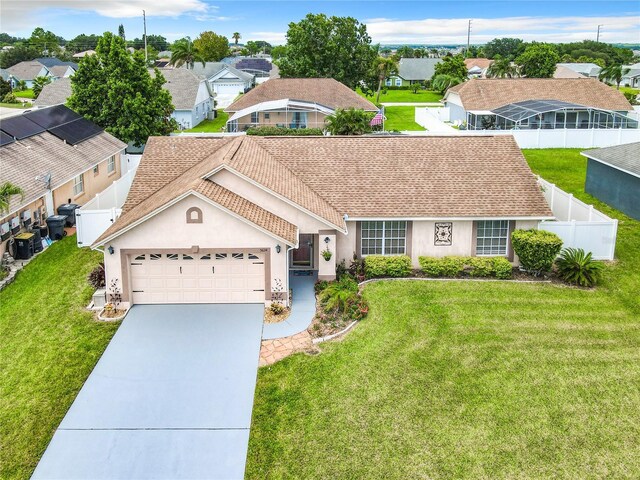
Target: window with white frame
383, 238
398, 82
78, 185
492, 237
388, 82
111, 164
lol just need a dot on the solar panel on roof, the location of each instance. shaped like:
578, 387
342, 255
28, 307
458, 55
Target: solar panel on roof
53, 116
5, 139
77, 131
20, 127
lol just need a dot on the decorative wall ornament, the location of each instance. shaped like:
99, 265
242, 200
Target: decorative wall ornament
443, 234
194, 215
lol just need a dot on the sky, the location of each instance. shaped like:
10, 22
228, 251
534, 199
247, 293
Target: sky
390, 22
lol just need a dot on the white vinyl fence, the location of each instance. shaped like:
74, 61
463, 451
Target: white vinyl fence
95, 216
579, 225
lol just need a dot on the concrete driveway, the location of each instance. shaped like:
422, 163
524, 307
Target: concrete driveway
171, 398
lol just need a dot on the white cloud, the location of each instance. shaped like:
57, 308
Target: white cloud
275, 38
454, 30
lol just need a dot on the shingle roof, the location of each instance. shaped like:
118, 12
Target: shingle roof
588, 69
22, 161
213, 68
26, 70
490, 93
325, 91
363, 177
58, 70
54, 93
53, 62
564, 72
478, 62
183, 85
417, 68
622, 157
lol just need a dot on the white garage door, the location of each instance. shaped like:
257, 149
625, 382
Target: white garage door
221, 277
228, 88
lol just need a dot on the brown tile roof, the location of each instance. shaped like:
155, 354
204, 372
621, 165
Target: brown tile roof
367, 177
325, 91
477, 62
490, 93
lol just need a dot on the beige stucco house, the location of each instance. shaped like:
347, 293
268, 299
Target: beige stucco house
56, 157
226, 219
293, 103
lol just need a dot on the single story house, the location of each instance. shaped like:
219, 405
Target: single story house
564, 72
40, 67
56, 157
225, 219
589, 70
613, 176
538, 103
631, 75
412, 70
223, 78
477, 67
293, 103
58, 68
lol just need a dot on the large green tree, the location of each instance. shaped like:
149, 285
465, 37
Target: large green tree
115, 90
451, 66
184, 52
46, 42
17, 54
538, 61
211, 46
329, 47
157, 41
83, 42
508, 48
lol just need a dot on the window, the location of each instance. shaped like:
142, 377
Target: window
111, 164
383, 238
267, 116
492, 237
255, 117
194, 215
388, 82
398, 82
78, 185
96, 170
155, 256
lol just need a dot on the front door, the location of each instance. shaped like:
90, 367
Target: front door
303, 255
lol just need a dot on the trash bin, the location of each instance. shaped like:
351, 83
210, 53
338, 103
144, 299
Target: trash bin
24, 243
56, 226
37, 239
69, 210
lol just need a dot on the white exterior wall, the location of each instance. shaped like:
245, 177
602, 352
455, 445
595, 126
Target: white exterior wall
346, 244
169, 230
423, 239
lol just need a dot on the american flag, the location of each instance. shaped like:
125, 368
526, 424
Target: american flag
377, 119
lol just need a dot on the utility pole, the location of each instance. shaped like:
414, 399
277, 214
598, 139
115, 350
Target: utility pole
468, 39
144, 20
598, 35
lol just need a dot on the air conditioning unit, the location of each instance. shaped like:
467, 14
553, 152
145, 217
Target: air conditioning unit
26, 217
5, 231
14, 223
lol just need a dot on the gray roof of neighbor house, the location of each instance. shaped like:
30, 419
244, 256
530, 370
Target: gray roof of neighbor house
4, 73
54, 93
212, 68
417, 68
588, 69
564, 72
58, 70
27, 70
55, 62
183, 85
622, 157
491, 93
362, 177
324, 91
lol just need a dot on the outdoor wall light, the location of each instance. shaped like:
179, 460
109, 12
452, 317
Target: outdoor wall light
111, 250
278, 248
327, 239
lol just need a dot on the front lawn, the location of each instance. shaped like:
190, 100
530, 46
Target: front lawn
48, 346
211, 126
28, 93
468, 379
401, 118
635, 91
16, 105
405, 96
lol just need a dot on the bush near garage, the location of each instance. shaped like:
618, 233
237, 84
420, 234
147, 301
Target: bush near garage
387, 266
537, 249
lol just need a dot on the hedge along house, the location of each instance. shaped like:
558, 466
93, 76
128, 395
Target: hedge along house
293, 103
613, 176
211, 219
538, 103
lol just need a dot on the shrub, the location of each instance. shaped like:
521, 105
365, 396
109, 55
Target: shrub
442, 267
339, 295
537, 249
356, 267
276, 308
498, 267
382, 266
276, 131
341, 269
632, 98
502, 268
97, 278
578, 268
320, 285
10, 98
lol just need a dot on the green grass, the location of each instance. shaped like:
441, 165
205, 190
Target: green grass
48, 346
24, 93
468, 379
635, 91
211, 126
401, 118
16, 105
392, 96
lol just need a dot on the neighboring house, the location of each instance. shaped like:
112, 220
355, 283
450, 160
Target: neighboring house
56, 157
224, 220
86, 53
631, 76
538, 103
223, 79
565, 72
57, 67
27, 71
413, 70
190, 96
477, 67
590, 70
260, 68
613, 176
293, 103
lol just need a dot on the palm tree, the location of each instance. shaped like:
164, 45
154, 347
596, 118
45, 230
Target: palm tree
502, 68
236, 36
384, 67
350, 121
443, 82
613, 73
8, 190
183, 53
